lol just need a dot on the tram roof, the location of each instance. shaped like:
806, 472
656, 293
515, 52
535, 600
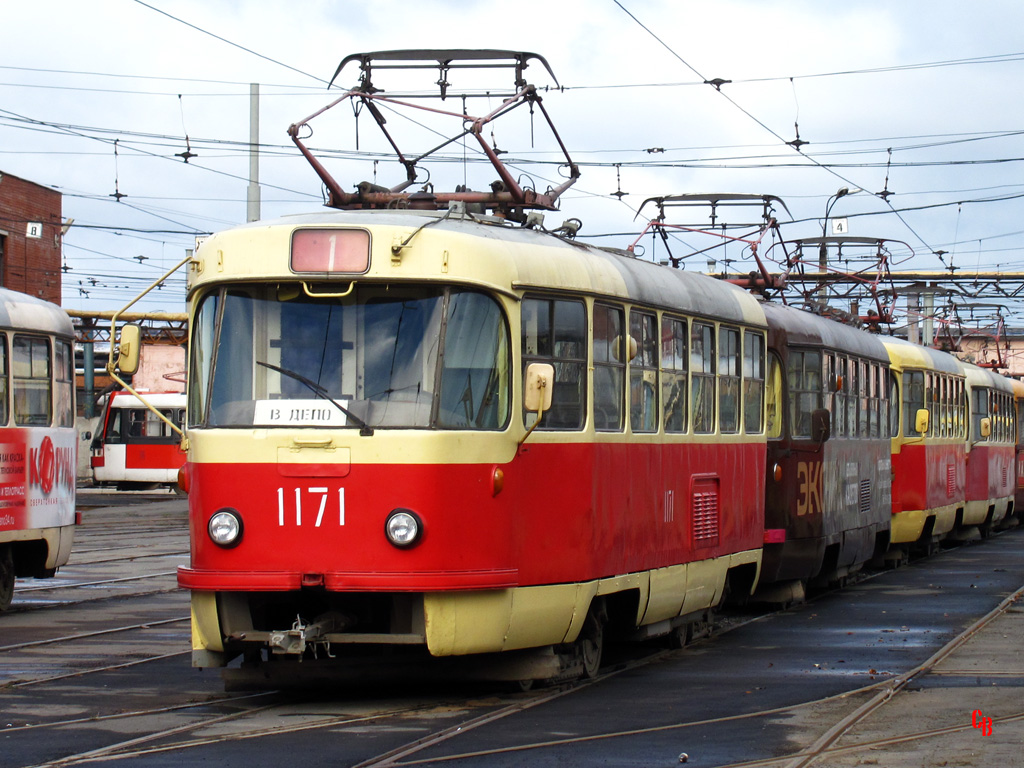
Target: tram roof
806, 328
982, 377
907, 354
505, 257
22, 311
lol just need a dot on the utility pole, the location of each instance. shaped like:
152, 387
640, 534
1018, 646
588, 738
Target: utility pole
252, 209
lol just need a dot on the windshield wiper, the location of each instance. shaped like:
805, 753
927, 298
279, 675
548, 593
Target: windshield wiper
364, 429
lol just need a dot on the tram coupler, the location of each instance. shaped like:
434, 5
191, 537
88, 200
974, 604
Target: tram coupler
294, 641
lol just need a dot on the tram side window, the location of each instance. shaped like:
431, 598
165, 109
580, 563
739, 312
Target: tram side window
609, 368
774, 397
674, 359
882, 381
32, 386
753, 383
643, 373
959, 409
729, 380
883, 403
65, 370
931, 394
555, 331
864, 388
201, 363
805, 389
1001, 412
913, 401
979, 411
114, 428
475, 370
893, 406
1020, 421
4, 414
852, 384
702, 369
874, 425
835, 371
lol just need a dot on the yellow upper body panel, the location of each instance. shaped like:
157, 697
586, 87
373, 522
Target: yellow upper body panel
430, 247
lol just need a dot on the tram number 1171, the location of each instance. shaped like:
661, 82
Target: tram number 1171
314, 501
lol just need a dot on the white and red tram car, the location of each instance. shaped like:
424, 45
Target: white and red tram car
134, 449
38, 441
361, 467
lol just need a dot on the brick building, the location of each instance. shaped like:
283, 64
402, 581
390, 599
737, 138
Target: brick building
30, 238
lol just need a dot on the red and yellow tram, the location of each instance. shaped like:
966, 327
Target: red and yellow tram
364, 469
1018, 409
991, 449
928, 443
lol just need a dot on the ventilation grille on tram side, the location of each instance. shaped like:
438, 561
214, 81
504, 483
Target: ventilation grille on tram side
950, 481
705, 511
865, 497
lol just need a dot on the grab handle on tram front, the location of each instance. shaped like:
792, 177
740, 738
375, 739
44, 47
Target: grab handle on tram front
312, 442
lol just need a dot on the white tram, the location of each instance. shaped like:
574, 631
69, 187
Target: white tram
38, 441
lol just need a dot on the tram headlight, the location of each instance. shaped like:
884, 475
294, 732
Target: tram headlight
225, 528
403, 528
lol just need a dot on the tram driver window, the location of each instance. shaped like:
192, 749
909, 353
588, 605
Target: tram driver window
555, 331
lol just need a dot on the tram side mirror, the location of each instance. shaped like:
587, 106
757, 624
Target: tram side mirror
540, 380
986, 427
128, 349
821, 425
921, 420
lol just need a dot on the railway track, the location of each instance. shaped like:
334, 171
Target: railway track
796, 689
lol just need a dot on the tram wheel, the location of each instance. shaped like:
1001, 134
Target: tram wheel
590, 645
6, 577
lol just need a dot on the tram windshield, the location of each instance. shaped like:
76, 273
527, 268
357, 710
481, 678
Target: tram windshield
380, 356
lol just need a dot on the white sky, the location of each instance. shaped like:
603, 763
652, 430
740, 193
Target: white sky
105, 69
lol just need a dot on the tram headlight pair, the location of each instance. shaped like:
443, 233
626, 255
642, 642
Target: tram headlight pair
225, 528
403, 528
